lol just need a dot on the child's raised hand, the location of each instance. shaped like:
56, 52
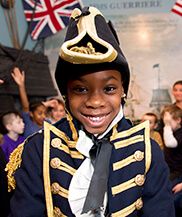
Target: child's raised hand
177, 188
167, 119
18, 76
51, 103
1, 81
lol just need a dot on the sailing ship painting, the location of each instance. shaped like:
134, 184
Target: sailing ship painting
135, 104
160, 96
135, 97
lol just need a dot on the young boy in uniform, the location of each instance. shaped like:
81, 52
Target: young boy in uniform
93, 163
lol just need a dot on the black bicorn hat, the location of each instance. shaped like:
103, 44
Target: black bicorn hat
91, 44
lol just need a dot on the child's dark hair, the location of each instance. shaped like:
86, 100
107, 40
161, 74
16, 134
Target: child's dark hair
153, 115
60, 102
177, 82
4, 117
34, 105
174, 110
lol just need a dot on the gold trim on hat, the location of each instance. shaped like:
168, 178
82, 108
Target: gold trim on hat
86, 27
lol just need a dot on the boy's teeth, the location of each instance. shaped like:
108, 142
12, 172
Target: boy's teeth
96, 118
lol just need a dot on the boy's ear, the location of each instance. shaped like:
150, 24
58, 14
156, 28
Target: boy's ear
8, 127
123, 95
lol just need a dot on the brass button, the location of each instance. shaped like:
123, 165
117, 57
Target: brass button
55, 163
139, 204
56, 142
139, 180
55, 188
138, 155
57, 212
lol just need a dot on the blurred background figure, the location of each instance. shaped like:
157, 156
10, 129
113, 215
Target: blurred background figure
12, 128
153, 120
172, 131
172, 135
1, 81
33, 113
57, 111
177, 93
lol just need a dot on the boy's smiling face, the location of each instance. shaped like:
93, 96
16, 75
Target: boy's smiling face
94, 99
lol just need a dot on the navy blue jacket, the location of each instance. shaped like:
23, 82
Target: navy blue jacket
138, 184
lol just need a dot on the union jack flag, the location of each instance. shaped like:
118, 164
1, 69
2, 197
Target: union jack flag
46, 17
177, 8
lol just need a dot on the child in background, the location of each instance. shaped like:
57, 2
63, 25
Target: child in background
12, 128
34, 114
177, 93
56, 112
172, 136
153, 121
172, 133
93, 162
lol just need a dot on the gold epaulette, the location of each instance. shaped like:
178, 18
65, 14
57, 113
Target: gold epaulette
13, 164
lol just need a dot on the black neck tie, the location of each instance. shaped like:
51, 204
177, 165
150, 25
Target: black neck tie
100, 156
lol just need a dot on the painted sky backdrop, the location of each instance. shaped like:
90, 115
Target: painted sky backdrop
108, 8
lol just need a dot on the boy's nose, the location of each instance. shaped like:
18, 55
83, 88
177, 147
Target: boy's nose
95, 100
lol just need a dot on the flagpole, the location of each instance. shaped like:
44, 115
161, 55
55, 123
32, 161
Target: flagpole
28, 28
81, 3
158, 85
159, 77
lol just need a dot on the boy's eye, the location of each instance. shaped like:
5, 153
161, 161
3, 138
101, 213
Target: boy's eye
109, 89
80, 89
